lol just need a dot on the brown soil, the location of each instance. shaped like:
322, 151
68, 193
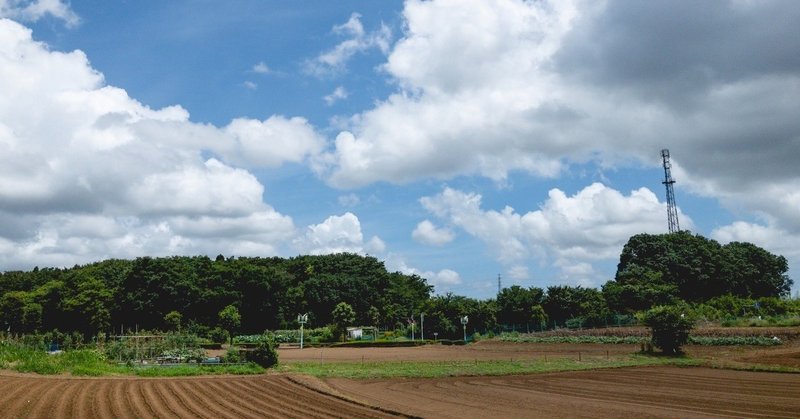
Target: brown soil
629, 392
30, 396
625, 392
482, 351
787, 355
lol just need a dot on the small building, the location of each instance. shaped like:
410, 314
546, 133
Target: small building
361, 332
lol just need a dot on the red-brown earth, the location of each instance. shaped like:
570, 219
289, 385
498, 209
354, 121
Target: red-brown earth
623, 392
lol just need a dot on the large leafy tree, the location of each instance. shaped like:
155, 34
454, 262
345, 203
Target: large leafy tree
515, 305
230, 320
670, 327
19, 313
89, 304
694, 268
754, 272
343, 315
587, 305
638, 289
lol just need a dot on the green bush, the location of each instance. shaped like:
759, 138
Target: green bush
670, 327
233, 355
264, 354
218, 335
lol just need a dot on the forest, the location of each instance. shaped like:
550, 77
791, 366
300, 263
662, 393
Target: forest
150, 293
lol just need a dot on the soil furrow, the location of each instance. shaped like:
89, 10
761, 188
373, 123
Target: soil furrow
46, 401
160, 407
247, 401
118, 400
20, 405
140, 405
260, 397
65, 405
84, 398
187, 391
168, 391
102, 401
228, 403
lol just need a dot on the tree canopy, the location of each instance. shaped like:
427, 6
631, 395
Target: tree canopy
267, 293
657, 269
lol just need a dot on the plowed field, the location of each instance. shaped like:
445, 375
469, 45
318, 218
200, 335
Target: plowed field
626, 392
28, 396
667, 392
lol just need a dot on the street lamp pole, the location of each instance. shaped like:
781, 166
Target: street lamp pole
302, 319
464, 321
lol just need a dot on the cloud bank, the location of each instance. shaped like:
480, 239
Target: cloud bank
88, 172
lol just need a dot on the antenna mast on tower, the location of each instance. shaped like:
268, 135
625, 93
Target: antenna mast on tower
499, 284
672, 209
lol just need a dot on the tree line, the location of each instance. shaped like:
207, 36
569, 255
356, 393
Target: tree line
268, 293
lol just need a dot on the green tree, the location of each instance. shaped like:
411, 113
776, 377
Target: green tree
374, 317
265, 353
20, 312
514, 305
538, 317
90, 304
638, 289
698, 268
230, 320
670, 326
754, 272
343, 315
173, 320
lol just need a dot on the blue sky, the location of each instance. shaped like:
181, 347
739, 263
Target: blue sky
455, 139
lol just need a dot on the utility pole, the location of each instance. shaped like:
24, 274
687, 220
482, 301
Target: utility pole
672, 209
499, 284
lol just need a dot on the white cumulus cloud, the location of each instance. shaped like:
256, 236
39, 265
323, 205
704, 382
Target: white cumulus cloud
78, 153
338, 234
33, 10
492, 87
571, 231
427, 233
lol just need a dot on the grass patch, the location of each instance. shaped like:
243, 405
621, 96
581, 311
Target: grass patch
733, 341
92, 363
428, 369
631, 340
83, 362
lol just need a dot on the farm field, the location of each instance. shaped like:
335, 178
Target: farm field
658, 391
625, 392
29, 396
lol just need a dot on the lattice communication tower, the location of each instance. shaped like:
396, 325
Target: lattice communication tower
672, 209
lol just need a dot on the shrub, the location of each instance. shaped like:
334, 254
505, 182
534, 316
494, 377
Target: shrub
670, 327
264, 353
233, 355
218, 335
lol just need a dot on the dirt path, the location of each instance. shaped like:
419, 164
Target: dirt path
627, 392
